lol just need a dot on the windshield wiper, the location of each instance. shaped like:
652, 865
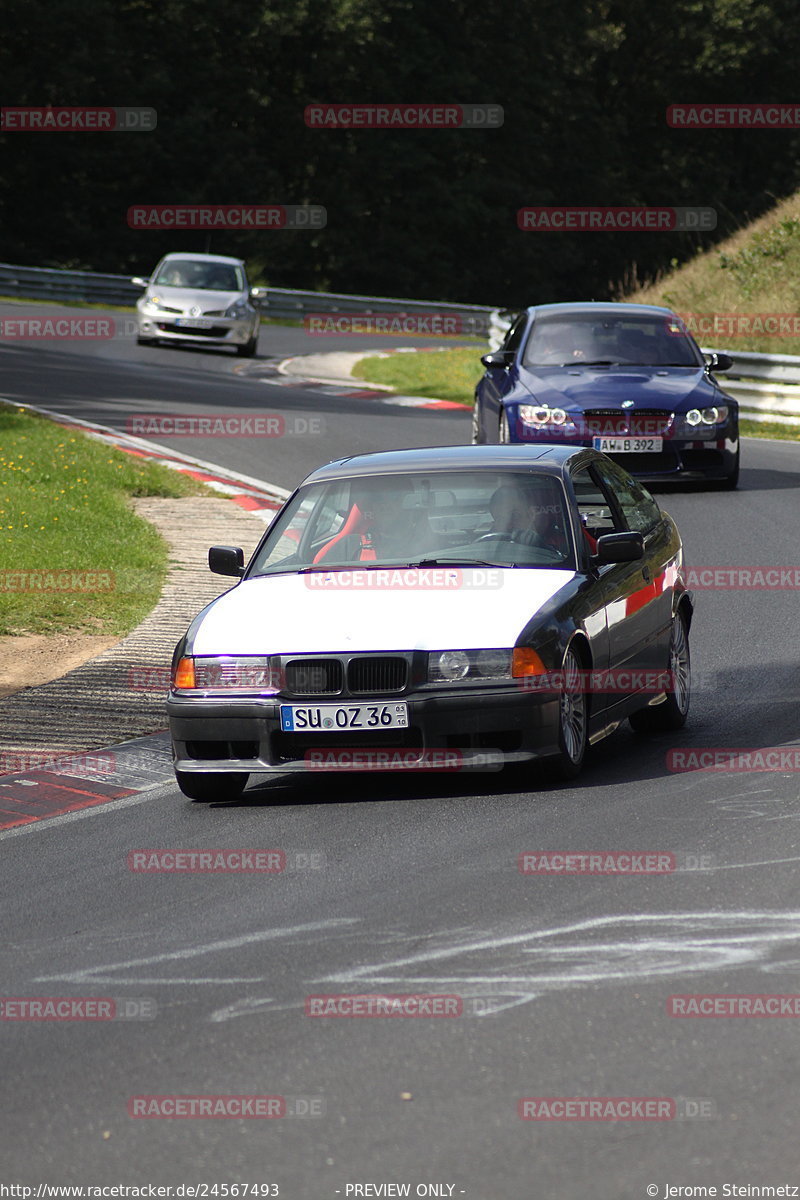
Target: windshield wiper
358, 565
593, 362
457, 562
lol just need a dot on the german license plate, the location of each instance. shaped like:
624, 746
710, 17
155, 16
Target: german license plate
628, 445
193, 323
340, 718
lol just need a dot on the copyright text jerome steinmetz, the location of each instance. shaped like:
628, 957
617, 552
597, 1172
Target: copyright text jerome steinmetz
694, 1191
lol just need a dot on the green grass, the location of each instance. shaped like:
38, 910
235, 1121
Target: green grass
769, 429
65, 507
757, 271
437, 374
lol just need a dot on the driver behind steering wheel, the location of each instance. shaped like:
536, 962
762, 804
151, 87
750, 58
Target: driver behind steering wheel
523, 515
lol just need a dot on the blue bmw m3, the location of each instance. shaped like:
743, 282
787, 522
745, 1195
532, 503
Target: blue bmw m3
626, 379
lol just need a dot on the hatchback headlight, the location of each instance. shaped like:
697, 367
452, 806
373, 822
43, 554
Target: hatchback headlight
152, 302
455, 666
226, 673
237, 310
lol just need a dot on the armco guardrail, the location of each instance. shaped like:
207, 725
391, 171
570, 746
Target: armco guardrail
37, 283
766, 385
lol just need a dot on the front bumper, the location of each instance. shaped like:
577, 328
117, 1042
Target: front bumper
222, 331
484, 730
686, 459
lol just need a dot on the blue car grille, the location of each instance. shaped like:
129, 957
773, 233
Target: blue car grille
615, 422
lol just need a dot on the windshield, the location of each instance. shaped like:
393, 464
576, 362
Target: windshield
608, 339
200, 276
495, 518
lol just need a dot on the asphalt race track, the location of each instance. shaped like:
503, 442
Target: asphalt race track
411, 885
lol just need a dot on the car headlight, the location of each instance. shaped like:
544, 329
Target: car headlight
541, 414
707, 416
226, 673
152, 302
453, 666
237, 310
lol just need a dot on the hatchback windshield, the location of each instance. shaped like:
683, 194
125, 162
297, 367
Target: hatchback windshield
600, 339
202, 276
510, 519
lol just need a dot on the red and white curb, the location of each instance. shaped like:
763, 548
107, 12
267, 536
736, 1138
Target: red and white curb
261, 499
325, 385
39, 789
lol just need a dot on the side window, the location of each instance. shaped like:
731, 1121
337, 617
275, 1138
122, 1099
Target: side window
597, 515
640, 510
514, 336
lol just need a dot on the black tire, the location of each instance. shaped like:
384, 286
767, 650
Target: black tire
249, 348
504, 432
213, 785
672, 712
477, 435
573, 729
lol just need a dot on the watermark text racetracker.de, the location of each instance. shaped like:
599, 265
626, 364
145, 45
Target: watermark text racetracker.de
615, 1108
223, 860
76, 1008
58, 581
611, 862
733, 116
403, 758
403, 1005
730, 1004
230, 1107
397, 324
734, 759
401, 579
227, 216
56, 327
76, 119
100, 763
739, 325
403, 116
583, 218
748, 579
266, 425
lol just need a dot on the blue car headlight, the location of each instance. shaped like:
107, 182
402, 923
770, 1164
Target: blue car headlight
541, 414
707, 416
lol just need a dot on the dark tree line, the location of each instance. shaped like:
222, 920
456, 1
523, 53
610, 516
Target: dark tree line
584, 84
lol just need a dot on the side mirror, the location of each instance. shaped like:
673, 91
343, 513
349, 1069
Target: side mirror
258, 293
498, 358
226, 560
719, 362
143, 283
619, 547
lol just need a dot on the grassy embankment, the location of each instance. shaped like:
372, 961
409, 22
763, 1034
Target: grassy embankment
66, 523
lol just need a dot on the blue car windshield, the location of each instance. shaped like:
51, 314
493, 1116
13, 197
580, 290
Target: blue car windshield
570, 340
444, 518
